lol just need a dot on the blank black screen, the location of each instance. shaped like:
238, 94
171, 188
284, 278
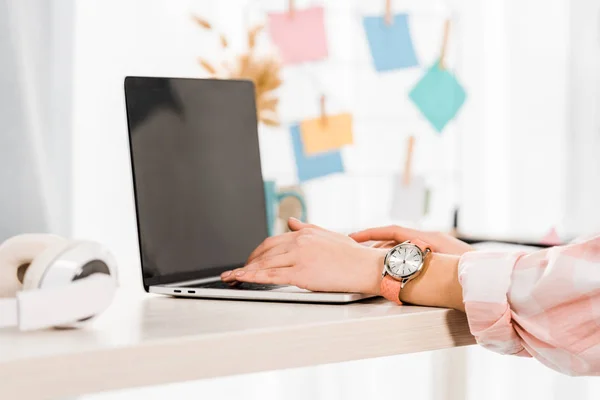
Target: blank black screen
197, 175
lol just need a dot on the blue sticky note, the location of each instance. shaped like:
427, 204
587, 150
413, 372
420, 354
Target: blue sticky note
391, 45
439, 96
314, 166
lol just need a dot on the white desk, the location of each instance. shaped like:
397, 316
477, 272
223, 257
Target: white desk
150, 340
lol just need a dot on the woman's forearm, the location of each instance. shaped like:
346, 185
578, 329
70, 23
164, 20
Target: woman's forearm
437, 285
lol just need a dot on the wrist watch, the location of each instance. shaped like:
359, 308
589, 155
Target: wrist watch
402, 263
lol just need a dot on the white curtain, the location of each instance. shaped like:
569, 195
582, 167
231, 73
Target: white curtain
35, 116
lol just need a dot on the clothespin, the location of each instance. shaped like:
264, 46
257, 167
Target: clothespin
408, 162
389, 18
323, 113
454, 231
444, 44
291, 8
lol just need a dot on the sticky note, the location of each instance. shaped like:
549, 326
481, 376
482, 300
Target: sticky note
409, 202
551, 238
316, 166
300, 37
391, 45
439, 96
320, 135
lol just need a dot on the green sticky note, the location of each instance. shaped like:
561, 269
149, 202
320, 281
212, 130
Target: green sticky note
439, 96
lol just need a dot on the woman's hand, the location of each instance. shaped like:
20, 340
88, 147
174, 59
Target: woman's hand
439, 242
319, 260
314, 259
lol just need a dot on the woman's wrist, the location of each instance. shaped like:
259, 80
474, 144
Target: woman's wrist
377, 256
437, 285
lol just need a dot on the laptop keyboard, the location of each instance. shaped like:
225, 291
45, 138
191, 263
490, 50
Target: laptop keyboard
237, 286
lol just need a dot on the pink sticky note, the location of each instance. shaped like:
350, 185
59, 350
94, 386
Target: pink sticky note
551, 238
300, 36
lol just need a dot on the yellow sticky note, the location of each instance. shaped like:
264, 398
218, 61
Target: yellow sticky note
320, 136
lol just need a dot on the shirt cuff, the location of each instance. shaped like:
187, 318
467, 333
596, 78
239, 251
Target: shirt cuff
485, 278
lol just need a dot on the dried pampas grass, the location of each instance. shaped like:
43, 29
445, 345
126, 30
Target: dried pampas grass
264, 71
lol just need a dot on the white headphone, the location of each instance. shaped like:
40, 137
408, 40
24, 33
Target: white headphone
47, 281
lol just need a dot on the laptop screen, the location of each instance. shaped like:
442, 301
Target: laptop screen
198, 185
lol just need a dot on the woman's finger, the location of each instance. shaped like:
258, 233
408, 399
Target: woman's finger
273, 276
295, 225
384, 244
392, 232
298, 226
275, 258
275, 251
269, 243
278, 261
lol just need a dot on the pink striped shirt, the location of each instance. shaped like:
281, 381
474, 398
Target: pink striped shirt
544, 304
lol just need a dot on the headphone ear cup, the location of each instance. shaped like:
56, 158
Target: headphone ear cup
85, 275
40, 264
20, 252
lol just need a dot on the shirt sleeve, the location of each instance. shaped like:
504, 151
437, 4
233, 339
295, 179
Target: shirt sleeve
545, 304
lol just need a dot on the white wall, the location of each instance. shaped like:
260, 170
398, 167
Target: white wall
489, 160
145, 38
537, 65
583, 141
155, 38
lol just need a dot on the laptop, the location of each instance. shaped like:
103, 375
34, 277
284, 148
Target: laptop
198, 187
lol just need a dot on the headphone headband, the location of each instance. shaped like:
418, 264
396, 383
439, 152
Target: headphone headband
9, 314
45, 308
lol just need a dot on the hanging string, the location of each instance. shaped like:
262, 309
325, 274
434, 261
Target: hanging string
389, 18
323, 113
444, 44
408, 161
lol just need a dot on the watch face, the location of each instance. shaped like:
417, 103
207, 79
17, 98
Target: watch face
404, 260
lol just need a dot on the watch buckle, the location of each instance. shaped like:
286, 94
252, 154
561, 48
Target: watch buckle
403, 282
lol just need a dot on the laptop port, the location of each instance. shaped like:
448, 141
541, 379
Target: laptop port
191, 291
177, 291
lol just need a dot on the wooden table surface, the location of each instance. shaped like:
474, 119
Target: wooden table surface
149, 340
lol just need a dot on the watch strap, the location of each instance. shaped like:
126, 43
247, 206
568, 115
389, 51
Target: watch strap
390, 289
421, 245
